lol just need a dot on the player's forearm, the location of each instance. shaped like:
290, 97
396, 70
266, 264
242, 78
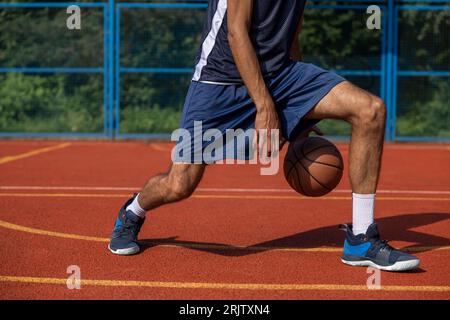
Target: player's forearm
248, 65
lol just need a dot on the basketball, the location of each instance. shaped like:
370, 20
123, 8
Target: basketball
313, 166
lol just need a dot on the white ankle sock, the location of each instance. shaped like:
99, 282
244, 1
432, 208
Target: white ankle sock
363, 207
136, 208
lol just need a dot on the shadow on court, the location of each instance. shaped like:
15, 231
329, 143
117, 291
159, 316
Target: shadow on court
393, 228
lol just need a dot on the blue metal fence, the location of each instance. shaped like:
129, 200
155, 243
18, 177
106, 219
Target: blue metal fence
105, 70
398, 72
113, 69
154, 70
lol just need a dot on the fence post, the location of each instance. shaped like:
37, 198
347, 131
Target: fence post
110, 59
390, 103
116, 72
106, 90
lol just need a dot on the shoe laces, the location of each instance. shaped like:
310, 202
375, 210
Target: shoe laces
382, 244
129, 227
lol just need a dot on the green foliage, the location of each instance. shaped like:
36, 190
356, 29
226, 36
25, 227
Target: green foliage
154, 119
31, 37
335, 127
427, 117
339, 39
152, 103
424, 38
54, 103
160, 37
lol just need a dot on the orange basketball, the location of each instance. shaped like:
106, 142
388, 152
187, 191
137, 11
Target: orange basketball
313, 166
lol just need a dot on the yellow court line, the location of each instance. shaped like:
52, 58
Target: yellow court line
65, 195
213, 196
16, 227
33, 153
216, 190
228, 286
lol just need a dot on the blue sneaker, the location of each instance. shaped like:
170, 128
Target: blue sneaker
124, 236
369, 250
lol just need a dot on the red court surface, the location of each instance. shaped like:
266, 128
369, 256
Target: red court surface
240, 236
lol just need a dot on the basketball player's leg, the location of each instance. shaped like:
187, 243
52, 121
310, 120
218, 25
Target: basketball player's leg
315, 94
176, 185
205, 102
366, 114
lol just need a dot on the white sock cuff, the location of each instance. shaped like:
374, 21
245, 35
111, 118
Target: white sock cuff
364, 196
136, 208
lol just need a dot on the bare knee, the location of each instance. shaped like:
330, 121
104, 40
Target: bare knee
371, 116
181, 184
180, 190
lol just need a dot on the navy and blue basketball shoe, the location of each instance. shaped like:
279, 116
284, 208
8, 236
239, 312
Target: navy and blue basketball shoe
369, 250
124, 236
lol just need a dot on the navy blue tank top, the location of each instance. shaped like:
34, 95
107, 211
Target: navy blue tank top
273, 28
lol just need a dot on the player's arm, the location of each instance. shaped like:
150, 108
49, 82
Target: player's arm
296, 53
239, 15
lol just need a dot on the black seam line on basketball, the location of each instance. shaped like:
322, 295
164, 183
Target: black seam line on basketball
298, 160
292, 164
292, 167
295, 154
326, 164
313, 176
323, 163
299, 180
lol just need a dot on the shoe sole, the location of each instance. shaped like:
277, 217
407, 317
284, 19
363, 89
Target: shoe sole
398, 266
125, 252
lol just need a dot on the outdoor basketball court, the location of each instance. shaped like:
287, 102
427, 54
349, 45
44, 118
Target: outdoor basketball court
240, 236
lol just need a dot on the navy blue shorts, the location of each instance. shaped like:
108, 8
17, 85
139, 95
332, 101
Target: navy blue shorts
295, 90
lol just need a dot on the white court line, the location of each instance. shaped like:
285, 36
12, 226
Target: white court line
69, 188
337, 191
237, 190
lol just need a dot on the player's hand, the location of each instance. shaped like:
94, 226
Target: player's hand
267, 118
